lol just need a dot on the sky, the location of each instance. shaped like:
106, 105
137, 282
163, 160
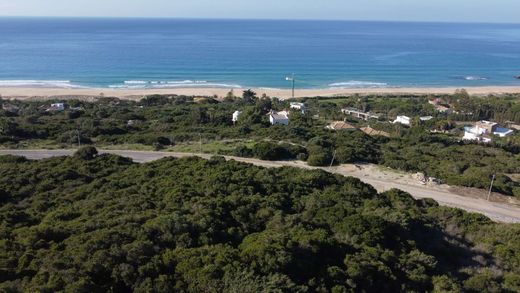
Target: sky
398, 10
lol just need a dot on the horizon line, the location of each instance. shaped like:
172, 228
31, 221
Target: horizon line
253, 19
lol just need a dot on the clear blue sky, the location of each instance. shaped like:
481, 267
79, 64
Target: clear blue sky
408, 10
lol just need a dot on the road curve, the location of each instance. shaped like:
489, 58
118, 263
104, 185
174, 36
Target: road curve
499, 212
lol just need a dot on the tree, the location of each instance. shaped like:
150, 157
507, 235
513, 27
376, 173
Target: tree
230, 97
7, 127
249, 96
444, 284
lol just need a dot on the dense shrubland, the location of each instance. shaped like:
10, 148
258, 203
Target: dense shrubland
96, 223
161, 122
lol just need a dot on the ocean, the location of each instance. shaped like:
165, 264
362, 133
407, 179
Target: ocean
169, 53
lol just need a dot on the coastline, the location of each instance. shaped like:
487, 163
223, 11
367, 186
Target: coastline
27, 93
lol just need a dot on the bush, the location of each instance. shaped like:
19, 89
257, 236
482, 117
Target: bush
273, 151
242, 151
482, 282
86, 153
319, 156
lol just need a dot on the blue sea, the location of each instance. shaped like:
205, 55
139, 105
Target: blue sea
169, 53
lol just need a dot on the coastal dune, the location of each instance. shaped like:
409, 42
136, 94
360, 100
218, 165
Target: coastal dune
24, 93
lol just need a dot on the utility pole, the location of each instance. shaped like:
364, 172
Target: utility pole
491, 186
200, 142
333, 157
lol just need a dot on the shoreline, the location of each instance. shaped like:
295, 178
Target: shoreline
27, 93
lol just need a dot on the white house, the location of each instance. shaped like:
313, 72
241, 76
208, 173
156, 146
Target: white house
236, 115
298, 106
56, 107
426, 118
483, 130
281, 118
476, 133
405, 120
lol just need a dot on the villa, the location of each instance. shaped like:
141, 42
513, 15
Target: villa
279, 118
359, 114
437, 103
484, 130
405, 120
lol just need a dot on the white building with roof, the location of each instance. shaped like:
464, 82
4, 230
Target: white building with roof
405, 120
279, 118
483, 131
56, 107
236, 115
298, 106
426, 118
359, 114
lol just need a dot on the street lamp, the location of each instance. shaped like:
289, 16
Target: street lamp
293, 80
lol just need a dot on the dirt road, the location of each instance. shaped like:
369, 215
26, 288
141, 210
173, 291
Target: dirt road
376, 177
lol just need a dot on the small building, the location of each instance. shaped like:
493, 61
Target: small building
56, 107
359, 114
76, 108
372, 132
476, 134
444, 109
426, 118
340, 125
133, 122
483, 130
279, 118
439, 106
236, 115
10, 108
298, 106
435, 101
405, 120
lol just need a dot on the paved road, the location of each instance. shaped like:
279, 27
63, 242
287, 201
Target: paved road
500, 212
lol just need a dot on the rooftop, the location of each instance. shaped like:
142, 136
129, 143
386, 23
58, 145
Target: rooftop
340, 125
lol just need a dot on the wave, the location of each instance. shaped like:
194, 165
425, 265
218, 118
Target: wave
39, 83
475, 78
164, 82
135, 82
141, 84
269, 88
358, 84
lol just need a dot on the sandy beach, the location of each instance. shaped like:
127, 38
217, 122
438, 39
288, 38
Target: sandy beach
92, 93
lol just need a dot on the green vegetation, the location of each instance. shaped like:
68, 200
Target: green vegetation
189, 124
98, 223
